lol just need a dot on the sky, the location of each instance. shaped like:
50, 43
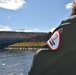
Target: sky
33, 15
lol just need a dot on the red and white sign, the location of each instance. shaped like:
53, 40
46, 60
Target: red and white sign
54, 41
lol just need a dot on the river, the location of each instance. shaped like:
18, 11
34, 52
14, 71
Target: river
15, 62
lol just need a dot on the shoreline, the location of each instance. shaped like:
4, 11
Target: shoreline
22, 48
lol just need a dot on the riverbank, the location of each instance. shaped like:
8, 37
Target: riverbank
26, 46
22, 48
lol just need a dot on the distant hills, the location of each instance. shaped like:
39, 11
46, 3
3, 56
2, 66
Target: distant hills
8, 38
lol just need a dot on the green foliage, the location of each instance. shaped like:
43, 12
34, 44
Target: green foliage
29, 44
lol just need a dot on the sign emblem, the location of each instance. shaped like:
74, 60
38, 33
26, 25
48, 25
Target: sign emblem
54, 41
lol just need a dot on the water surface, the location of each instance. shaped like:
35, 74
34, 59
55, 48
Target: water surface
15, 62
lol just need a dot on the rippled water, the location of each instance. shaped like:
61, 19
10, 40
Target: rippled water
15, 62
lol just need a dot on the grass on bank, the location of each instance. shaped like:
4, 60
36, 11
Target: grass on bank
29, 44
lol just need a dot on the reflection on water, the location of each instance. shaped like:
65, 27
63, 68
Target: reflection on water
15, 62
